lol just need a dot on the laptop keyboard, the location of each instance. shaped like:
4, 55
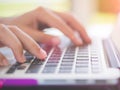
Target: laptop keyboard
85, 59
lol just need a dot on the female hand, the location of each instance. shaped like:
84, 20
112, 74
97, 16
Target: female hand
32, 23
17, 40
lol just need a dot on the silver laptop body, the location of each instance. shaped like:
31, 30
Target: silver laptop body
94, 64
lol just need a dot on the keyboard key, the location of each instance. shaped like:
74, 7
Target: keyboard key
64, 71
82, 59
21, 67
69, 54
54, 58
49, 70
57, 51
52, 61
82, 62
81, 70
55, 55
94, 60
94, 63
28, 54
37, 61
94, 57
51, 65
29, 59
35, 66
68, 61
66, 67
81, 65
66, 64
13, 68
68, 57
83, 55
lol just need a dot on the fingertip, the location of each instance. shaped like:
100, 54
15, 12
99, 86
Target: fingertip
21, 59
55, 41
88, 40
76, 40
42, 54
79, 42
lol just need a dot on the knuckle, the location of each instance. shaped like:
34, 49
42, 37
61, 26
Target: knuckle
70, 16
13, 27
40, 9
3, 31
2, 28
39, 12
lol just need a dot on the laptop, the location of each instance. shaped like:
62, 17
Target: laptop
96, 64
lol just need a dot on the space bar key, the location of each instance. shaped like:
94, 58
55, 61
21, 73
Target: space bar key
33, 68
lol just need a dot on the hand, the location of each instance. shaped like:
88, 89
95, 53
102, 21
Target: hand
33, 21
16, 39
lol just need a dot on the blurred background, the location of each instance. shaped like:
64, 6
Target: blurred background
89, 12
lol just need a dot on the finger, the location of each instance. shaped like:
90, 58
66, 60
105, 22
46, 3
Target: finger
75, 24
28, 43
42, 37
9, 39
3, 60
1, 45
54, 21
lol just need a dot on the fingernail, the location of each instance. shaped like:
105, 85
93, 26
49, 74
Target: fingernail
89, 40
79, 42
55, 41
43, 54
22, 59
77, 39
